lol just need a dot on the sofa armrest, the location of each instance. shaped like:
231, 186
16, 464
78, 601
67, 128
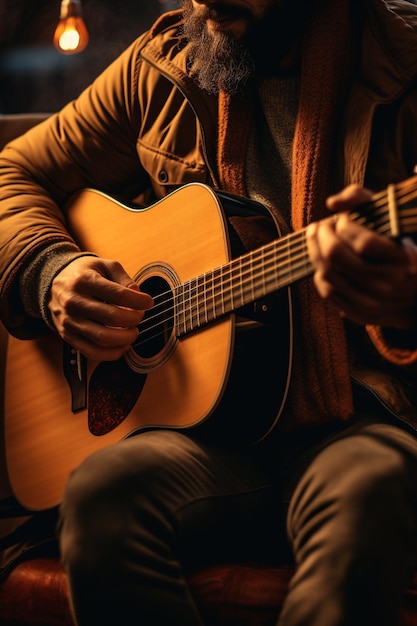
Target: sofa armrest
13, 125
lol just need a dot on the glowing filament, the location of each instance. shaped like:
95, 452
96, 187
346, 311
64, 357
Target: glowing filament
71, 34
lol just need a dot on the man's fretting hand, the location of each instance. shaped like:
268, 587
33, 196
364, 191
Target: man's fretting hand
371, 279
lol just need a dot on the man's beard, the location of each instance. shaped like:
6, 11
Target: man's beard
217, 61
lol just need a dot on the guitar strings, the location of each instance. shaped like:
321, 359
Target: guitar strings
274, 266
219, 282
233, 267
228, 275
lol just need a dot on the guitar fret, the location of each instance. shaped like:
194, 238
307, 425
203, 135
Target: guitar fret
211, 310
180, 311
236, 286
252, 262
227, 291
204, 297
208, 296
393, 211
188, 326
192, 309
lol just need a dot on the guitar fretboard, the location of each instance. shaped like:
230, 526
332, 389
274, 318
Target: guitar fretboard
244, 280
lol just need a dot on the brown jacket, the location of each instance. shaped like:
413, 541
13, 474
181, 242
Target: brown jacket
143, 128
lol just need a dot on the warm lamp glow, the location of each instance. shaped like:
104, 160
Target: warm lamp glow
71, 34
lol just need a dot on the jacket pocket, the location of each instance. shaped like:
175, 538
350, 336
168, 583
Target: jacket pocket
168, 171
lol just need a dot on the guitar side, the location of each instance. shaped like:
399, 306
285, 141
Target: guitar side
192, 388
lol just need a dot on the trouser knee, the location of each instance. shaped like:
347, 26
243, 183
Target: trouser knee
364, 481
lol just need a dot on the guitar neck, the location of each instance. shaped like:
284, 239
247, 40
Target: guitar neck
244, 280
282, 262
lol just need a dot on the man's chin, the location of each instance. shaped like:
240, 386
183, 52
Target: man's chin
217, 60
222, 70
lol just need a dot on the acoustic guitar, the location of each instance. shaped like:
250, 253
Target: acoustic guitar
216, 345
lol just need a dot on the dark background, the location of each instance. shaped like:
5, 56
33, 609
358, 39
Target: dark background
34, 77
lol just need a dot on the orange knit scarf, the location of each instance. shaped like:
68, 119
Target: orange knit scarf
320, 387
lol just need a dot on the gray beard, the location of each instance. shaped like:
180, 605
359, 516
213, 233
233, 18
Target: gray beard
216, 61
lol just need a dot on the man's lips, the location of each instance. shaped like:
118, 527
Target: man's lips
221, 19
225, 13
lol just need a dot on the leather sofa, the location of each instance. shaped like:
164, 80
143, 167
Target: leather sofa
35, 592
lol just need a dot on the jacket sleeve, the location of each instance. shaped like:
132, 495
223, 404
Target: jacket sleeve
90, 143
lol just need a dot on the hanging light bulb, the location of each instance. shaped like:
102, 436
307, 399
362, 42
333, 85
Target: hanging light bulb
71, 35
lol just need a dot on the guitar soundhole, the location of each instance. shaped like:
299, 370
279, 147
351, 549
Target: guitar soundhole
156, 338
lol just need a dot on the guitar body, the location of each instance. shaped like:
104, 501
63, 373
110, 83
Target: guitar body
200, 363
216, 381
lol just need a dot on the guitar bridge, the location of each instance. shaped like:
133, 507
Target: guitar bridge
75, 372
